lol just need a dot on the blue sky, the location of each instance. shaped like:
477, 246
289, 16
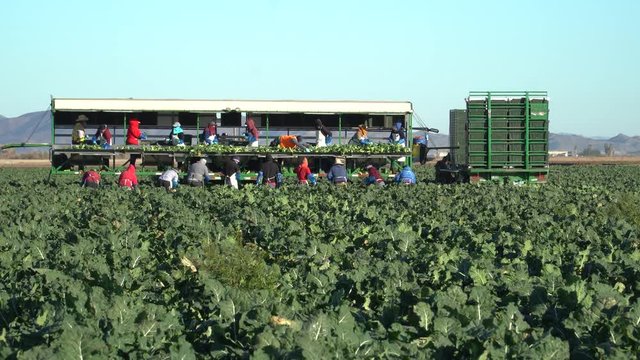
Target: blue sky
586, 54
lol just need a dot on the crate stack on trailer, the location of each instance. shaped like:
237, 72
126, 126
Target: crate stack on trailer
458, 135
506, 136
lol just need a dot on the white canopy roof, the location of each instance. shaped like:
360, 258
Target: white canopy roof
251, 106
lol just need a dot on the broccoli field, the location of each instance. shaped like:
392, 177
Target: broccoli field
433, 271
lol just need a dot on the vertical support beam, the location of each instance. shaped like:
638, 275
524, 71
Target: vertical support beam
267, 122
53, 128
489, 133
124, 131
53, 140
339, 129
527, 153
409, 140
197, 129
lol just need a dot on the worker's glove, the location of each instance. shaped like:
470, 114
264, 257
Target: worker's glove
143, 136
279, 179
312, 179
259, 178
238, 176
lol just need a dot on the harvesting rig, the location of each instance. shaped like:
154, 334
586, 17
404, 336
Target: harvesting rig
273, 118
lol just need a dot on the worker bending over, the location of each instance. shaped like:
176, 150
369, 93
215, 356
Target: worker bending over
269, 174
289, 142
198, 173
231, 171
338, 173
169, 179
91, 179
406, 176
373, 177
128, 179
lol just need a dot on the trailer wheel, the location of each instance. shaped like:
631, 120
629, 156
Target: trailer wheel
60, 162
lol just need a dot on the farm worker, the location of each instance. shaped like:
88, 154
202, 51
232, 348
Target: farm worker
406, 176
305, 177
323, 134
251, 132
290, 142
361, 137
133, 132
269, 173
422, 141
373, 177
397, 135
443, 176
338, 173
169, 179
210, 134
128, 178
78, 135
176, 136
91, 179
103, 137
198, 173
231, 171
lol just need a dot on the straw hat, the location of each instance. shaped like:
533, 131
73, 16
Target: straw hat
339, 161
82, 118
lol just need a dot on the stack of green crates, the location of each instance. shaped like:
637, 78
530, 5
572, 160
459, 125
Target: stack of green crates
458, 136
508, 132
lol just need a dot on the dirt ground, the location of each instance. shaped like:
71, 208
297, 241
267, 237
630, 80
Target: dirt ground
25, 163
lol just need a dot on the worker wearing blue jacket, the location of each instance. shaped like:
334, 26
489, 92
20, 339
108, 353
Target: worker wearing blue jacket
338, 173
406, 176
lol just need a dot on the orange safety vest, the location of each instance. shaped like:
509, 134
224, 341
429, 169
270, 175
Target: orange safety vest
287, 141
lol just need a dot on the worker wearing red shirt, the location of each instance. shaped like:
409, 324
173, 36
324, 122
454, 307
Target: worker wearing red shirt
133, 132
91, 179
373, 177
128, 178
303, 172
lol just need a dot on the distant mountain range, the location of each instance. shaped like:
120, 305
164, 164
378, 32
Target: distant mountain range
18, 129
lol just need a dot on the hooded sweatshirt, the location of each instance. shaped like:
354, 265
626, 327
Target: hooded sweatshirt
251, 128
406, 176
133, 132
198, 171
91, 176
210, 130
128, 177
269, 169
303, 170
